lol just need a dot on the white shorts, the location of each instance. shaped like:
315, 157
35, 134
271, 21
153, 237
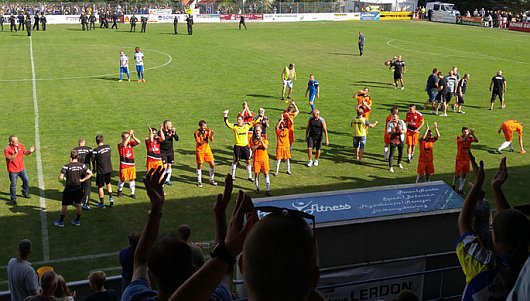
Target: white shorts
288, 83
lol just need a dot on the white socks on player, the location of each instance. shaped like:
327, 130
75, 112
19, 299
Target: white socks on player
199, 175
462, 183
120, 185
249, 171
132, 186
504, 145
278, 166
168, 173
267, 182
212, 174
234, 166
256, 182
288, 161
386, 152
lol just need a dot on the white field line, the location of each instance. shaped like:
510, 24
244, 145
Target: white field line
77, 258
42, 199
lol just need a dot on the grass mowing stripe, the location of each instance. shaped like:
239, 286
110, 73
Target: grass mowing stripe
42, 199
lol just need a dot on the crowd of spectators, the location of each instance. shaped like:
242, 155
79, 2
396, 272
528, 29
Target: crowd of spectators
74, 8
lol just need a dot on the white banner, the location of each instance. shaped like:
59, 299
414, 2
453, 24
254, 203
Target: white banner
310, 17
154, 11
382, 290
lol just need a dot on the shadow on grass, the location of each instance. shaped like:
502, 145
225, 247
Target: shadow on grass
260, 95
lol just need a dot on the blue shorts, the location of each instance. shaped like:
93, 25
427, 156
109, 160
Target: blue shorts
124, 70
359, 142
312, 97
432, 94
140, 68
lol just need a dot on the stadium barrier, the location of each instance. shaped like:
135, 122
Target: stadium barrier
473, 21
396, 15
520, 26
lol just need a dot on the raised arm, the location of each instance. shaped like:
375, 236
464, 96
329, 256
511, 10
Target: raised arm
497, 181
436, 130
465, 219
154, 185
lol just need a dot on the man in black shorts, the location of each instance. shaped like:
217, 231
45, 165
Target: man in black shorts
399, 70
75, 174
103, 165
166, 148
85, 157
316, 126
461, 93
242, 21
498, 83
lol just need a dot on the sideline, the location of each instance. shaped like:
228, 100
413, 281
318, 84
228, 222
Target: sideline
42, 199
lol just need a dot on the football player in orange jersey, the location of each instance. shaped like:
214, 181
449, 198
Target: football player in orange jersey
463, 160
292, 111
203, 153
283, 149
425, 163
507, 128
364, 101
259, 145
127, 165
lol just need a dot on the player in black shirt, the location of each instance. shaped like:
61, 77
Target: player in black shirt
85, 157
36, 21
242, 22
103, 166
28, 25
461, 93
75, 174
21, 22
133, 23
498, 83
166, 147
43, 21
316, 127
175, 24
399, 70
84, 21
12, 22
189, 22
2, 21
92, 20
114, 21
144, 23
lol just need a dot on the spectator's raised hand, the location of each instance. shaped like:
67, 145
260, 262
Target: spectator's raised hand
237, 230
220, 204
501, 175
154, 182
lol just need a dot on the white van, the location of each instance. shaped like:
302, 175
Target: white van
442, 12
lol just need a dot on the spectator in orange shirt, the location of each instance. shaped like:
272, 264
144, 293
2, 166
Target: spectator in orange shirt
283, 150
203, 153
425, 163
259, 145
463, 160
14, 154
508, 127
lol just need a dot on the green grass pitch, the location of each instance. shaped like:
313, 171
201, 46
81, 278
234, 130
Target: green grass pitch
189, 78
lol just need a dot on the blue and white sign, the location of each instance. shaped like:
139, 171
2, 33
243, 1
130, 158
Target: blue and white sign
371, 202
369, 16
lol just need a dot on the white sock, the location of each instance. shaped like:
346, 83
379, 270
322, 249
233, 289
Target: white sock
278, 165
234, 166
418, 179
386, 151
267, 182
256, 182
249, 171
408, 156
120, 185
462, 183
288, 161
199, 175
454, 180
504, 145
168, 173
212, 174
132, 186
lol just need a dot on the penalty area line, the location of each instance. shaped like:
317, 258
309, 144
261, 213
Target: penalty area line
40, 176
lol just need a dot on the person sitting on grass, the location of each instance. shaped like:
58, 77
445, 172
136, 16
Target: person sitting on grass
492, 273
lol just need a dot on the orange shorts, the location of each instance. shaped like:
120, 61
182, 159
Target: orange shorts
261, 166
412, 138
508, 135
425, 168
203, 157
387, 139
283, 153
153, 164
462, 167
291, 136
128, 174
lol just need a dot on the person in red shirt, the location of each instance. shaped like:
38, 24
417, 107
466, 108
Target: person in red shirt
425, 163
127, 165
14, 154
463, 160
152, 143
415, 121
